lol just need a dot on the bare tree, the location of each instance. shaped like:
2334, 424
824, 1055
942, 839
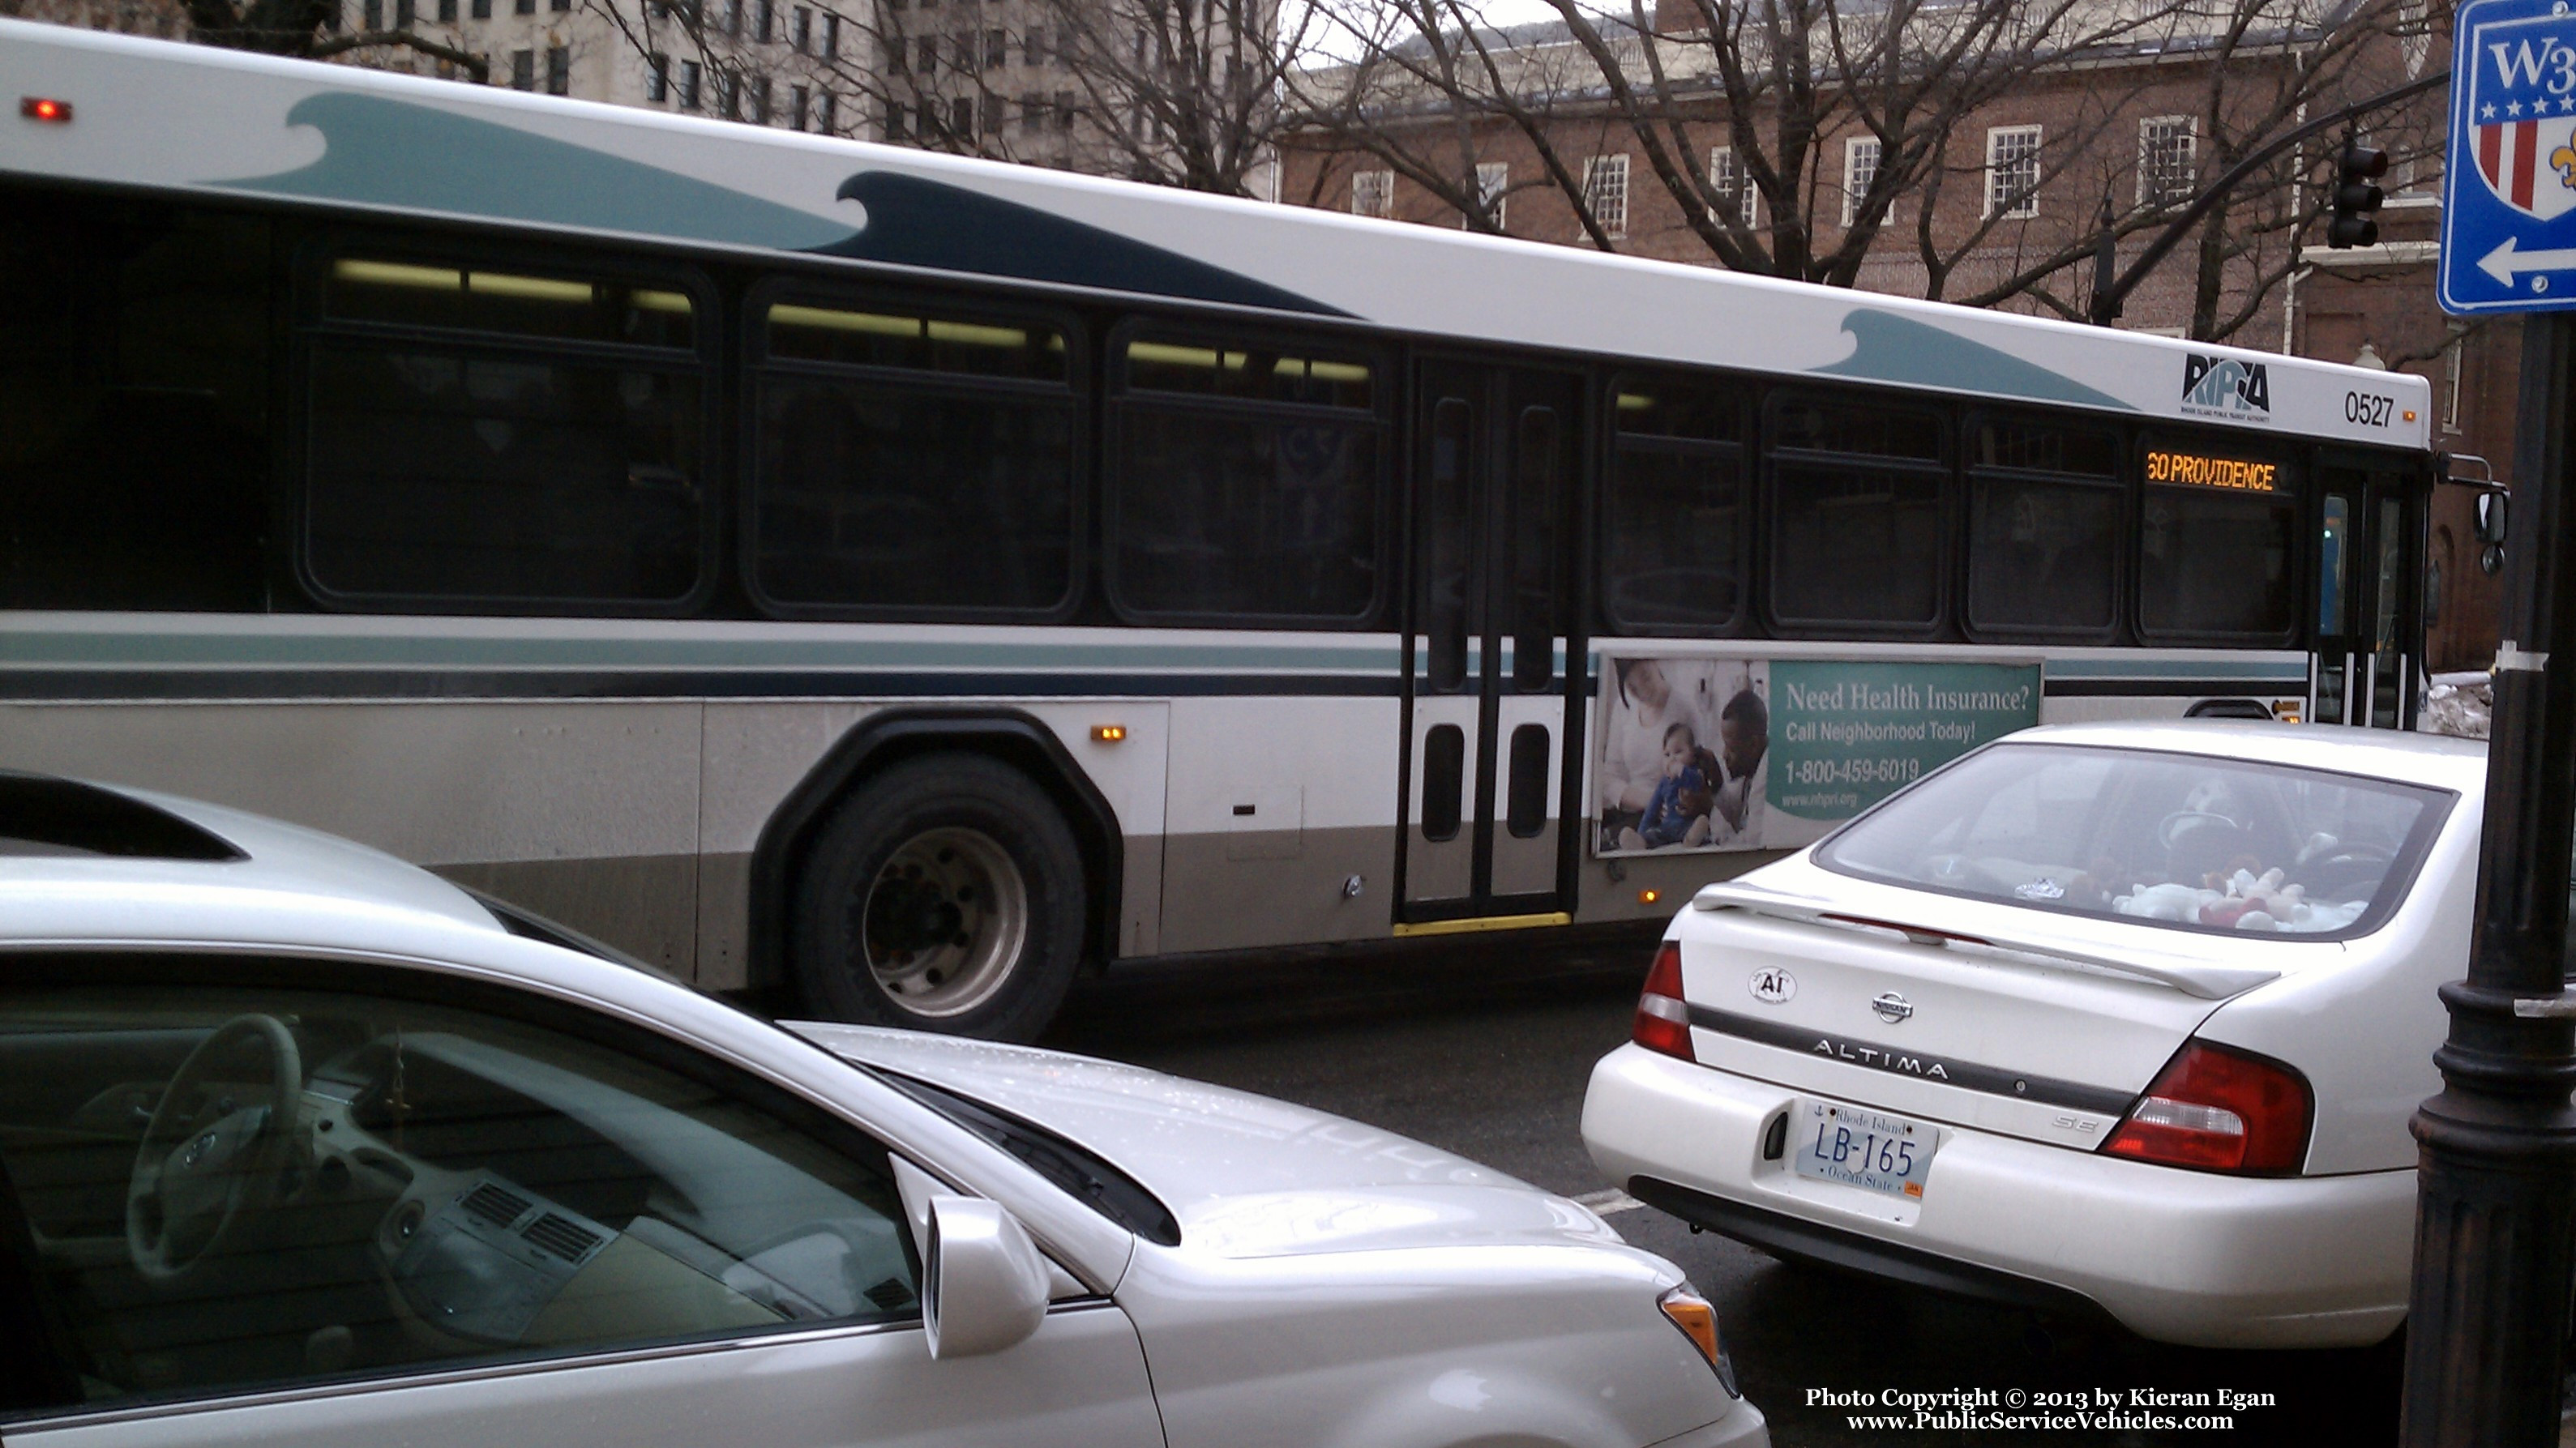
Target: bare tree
1848, 141
311, 29
1180, 92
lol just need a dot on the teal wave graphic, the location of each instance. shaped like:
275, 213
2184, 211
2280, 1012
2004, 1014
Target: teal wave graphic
380, 152
1900, 349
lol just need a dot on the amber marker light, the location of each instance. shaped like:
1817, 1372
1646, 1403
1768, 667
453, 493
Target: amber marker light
2410, 414
46, 109
1690, 1312
1108, 733
1649, 897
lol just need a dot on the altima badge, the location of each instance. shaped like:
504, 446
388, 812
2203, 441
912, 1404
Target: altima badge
1772, 986
1892, 1007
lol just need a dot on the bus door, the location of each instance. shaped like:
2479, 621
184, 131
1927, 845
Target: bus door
1491, 727
2370, 531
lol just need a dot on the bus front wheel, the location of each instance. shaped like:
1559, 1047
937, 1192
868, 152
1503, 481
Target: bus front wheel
946, 894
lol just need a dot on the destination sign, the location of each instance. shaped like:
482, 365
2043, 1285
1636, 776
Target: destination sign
2201, 471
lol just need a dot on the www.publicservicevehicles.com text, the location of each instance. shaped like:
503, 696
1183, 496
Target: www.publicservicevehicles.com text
1988, 1410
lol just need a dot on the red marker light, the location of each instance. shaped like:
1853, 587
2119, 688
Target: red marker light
46, 109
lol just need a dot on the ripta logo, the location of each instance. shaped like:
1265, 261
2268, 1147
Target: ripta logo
2225, 387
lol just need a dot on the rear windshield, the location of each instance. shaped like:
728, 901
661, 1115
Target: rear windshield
2179, 840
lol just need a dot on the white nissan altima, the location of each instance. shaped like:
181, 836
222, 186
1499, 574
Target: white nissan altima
300, 1145
2122, 1016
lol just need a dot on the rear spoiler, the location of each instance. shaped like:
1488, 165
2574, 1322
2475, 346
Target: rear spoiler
2192, 978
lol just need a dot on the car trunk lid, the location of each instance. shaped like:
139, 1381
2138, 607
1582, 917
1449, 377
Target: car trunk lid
1961, 1011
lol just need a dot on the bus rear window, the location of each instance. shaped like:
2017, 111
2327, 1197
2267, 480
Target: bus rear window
522, 303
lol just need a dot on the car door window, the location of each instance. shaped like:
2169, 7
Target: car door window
230, 1189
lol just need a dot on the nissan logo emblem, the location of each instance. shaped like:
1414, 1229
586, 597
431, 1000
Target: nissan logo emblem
1892, 1007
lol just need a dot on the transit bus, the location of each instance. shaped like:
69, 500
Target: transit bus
904, 579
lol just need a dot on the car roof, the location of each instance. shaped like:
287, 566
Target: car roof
2440, 760
63, 842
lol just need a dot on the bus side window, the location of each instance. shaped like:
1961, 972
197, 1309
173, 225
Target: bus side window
2043, 528
1247, 481
134, 429
1856, 494
2220, 528
516, 439
912, 464
1673, 532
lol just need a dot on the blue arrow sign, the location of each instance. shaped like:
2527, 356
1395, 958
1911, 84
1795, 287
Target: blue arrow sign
2509, 202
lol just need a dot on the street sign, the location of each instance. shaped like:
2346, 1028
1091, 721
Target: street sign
2509, 203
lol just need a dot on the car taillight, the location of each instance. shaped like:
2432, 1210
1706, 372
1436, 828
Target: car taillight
2219, 1110
1663, 1021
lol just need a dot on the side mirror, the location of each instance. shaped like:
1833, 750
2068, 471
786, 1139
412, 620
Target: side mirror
984, 1283
2491, 519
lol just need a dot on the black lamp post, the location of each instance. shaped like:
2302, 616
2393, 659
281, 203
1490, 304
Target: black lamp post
2497, 1182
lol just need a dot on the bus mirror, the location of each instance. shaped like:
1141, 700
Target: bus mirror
2491, 519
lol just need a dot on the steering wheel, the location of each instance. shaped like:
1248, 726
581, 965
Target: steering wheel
2174, 824
193, 1177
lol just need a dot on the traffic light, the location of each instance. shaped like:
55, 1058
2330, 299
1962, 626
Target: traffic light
2355, 197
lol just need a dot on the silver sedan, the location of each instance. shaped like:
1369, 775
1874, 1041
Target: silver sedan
300, 1145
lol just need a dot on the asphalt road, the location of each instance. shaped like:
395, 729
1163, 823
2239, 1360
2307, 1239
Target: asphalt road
1482, 1046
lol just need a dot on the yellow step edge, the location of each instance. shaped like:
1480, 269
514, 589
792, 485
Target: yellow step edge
1484, 922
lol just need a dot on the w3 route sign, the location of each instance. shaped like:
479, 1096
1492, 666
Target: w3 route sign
2509, 203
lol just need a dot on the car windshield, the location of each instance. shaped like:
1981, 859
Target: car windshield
2182, 840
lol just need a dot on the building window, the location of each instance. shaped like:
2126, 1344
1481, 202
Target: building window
1034, 47
733, 17
2012, 171
961, 118
831, 37
825, 120
657, 77
764, 21
997, 49
760, 100
447, 12
558, 71
1064, 111
925, 62
1493, 181
2452, 368
372, 14
689, 85
994, 118
804, 32
523, 7
1860, 172
798, 102
523, 70
729, 95
1736, 197
1032, 114
1373, 193
1605, 193
480, 9
898, 121
2168, 150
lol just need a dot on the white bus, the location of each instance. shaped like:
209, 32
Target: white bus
904, 579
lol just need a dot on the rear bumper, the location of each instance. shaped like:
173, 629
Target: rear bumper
2178, 1256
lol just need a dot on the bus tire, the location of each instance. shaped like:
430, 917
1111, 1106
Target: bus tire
945, 894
